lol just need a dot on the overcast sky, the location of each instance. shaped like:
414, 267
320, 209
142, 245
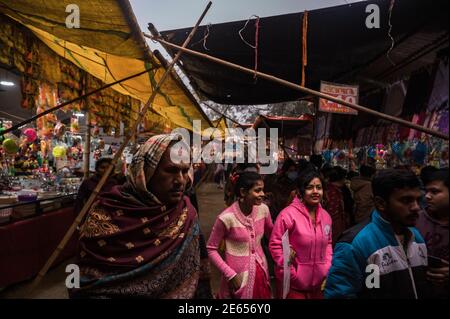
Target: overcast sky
176, 14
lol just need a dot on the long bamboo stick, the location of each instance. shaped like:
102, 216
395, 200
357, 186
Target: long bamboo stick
297, 87
102, 181
87, 146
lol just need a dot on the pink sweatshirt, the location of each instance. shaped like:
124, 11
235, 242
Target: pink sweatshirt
242, 237
311, 244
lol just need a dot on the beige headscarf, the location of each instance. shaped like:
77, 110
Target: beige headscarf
144, 164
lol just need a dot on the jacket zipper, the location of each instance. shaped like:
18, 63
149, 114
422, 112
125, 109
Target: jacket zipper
314, 255
409, 270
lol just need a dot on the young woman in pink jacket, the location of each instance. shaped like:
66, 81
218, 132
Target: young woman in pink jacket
309, 227
241, 226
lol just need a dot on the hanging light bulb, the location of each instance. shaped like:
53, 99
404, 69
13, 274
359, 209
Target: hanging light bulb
7, 83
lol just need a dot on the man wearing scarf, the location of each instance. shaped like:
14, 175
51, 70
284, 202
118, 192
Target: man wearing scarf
142, 239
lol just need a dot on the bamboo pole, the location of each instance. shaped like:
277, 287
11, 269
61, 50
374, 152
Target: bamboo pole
57, 107
108, 171
87, 145
296, 87
87, 136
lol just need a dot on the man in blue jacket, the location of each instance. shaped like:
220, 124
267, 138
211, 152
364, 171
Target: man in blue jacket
385, 256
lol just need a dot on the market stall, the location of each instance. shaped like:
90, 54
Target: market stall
41, 152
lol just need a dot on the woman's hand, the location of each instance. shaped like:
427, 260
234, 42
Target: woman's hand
236, 282
292, 256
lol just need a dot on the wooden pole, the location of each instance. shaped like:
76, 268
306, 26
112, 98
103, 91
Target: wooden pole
108, 171
297, 87
87, 136
87, 145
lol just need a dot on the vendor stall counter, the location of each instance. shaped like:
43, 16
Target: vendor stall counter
30, 232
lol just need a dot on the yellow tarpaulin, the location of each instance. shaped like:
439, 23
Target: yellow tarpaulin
107, 46
221, 124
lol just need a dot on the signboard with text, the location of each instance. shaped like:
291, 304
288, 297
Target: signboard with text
348, 93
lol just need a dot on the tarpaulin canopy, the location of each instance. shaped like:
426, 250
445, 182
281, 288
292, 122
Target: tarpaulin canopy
109, 46
339, 44
220, 123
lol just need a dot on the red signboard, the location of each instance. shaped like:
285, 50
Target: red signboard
348, 93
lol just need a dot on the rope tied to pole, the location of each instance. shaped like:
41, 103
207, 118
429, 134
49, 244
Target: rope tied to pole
391, 6
205, 37
255, 47
304, 89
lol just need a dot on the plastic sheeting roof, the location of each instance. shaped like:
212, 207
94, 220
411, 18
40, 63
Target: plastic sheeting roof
109, 46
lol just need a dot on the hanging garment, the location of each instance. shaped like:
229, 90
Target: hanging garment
443, 122
395, 99
439, 93
418, 93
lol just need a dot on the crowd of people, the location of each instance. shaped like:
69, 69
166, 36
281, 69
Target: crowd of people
364, 234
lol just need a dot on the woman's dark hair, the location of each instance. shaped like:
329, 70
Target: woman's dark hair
336, 174
305, 178
317, 160
246, 180
287, 164
386, 181
101, 161
367, 171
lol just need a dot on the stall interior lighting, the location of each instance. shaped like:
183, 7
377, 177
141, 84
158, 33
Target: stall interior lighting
6, 83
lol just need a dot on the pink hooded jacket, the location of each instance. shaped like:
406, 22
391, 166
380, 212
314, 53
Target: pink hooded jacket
312, 246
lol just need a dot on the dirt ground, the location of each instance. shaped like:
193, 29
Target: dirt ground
210, 200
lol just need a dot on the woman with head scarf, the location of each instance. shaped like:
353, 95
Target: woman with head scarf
142, 239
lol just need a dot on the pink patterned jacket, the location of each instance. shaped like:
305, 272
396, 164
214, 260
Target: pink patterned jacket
242, 237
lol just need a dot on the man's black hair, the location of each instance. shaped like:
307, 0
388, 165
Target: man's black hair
102, 161
426, 172
386, 181
438, 175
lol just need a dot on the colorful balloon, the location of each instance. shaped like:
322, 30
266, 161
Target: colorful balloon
59, 151
31, 134
10, 146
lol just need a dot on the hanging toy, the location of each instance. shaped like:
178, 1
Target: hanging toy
10, 146
74, 125
420, 153
95, 131
59, 130
31, 134
59, 151
327, 156
44, 148
372, 152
